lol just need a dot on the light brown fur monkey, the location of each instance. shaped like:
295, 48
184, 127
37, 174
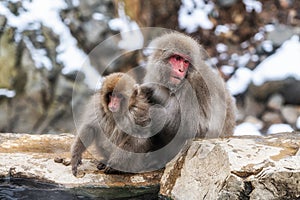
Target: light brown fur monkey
206, 107
114, 111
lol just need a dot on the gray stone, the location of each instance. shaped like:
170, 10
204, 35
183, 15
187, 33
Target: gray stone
201, 176
290, 114
275, 102
260, 168
38, 156
280, 34
272, 118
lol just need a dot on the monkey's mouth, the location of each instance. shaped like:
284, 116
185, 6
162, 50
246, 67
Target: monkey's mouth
176, 80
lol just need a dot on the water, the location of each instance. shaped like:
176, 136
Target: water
29, 189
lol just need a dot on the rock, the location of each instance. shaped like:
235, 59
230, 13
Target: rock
280, 34
255, 121
248, 167
275, 102
226, 3
37, 157
253, 107
259, 168
204, 167
290, 114
271, 118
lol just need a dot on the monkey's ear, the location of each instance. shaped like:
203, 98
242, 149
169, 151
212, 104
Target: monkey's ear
136, 89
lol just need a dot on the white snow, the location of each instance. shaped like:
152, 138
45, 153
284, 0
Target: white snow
98, 16
194, 14
246, 128
227, 70
278, 128
239, 82
267, 45
7, 93
298, 123
259, 36
39, 56
269, 27
281, 65
222, 29
243, 60
132, 38
221, 48
253, 5
46, 12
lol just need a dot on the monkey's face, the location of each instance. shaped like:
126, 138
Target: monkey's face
115, 101
179, 65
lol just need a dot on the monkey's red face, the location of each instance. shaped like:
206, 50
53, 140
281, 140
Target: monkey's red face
115, 100
179, 67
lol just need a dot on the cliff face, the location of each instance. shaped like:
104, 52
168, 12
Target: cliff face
234, 168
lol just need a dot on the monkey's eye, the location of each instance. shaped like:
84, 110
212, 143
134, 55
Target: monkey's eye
117, 95
186, 62
178, 58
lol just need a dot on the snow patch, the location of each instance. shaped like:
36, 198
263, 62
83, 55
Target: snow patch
298, 123
194, 14
253, 5
7, 93
46, 12
278, 128
239, 82
281, 65
246, 128
132, 38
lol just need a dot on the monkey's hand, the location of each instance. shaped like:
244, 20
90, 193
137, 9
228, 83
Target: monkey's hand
155, 93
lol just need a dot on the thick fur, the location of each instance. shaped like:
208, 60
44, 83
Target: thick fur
206, 107
108, 131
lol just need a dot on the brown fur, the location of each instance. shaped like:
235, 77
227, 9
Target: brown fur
206, 106
102, 127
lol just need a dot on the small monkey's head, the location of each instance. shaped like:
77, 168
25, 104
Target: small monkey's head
116, 90
174, 58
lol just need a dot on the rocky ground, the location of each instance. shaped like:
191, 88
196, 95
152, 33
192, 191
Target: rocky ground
38, 55
246, 167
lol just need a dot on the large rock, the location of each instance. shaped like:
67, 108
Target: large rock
236, 168
40, 156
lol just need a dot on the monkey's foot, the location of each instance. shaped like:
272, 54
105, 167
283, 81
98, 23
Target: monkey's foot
101, 166
109, 170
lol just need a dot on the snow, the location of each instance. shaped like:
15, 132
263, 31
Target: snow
194, 14
253, 5
243, 60
46, 12
298, 123
221, 48
227, 70
278, 128
280, 65
258, 36
269, 27
246, 128
132, 38
98, 16
239, 82
7, 93
222, 29
39, 56
267, 46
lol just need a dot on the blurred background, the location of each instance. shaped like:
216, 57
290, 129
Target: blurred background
45, 48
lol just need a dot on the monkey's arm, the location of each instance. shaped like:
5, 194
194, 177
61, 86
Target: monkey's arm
83, 140
155, 93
